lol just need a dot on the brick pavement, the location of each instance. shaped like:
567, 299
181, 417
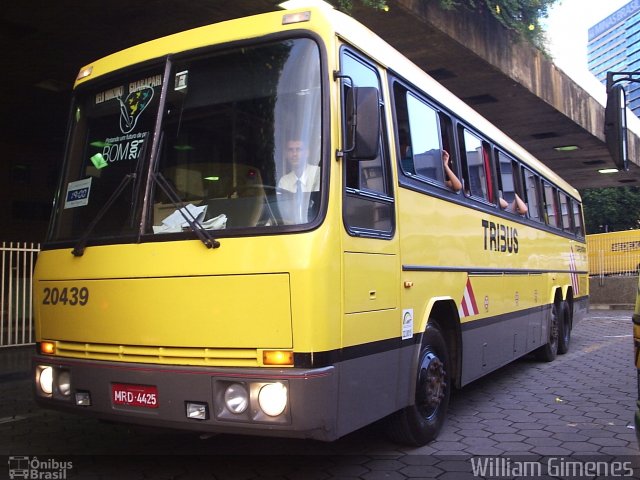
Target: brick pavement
578, 408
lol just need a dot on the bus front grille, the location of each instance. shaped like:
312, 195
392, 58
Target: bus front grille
199, 356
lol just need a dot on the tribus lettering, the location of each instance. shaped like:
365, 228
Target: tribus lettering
500, 238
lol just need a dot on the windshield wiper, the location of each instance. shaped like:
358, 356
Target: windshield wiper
78, 250
194, 224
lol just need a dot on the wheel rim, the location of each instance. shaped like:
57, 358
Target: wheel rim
432, 385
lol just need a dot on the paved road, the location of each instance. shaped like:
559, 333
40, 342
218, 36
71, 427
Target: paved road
574, 415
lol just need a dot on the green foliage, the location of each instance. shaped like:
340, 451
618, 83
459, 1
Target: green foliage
522, 16
611, 209
347, 5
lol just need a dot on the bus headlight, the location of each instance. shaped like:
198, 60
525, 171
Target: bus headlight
64, 382
273, 399
236, 398
45, 379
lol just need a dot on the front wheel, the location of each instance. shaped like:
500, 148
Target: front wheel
420, 423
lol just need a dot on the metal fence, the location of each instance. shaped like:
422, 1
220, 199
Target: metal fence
16, 285
614, 253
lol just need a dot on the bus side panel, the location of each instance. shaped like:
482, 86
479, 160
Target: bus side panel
496, 341
365, 395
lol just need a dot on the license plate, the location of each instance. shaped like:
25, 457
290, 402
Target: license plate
134, 395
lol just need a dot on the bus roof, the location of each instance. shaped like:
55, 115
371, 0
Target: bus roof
324, 20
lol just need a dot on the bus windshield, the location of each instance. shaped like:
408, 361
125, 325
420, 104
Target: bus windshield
238, 147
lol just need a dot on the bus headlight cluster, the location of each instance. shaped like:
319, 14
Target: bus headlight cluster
53, 381
273, 399
252, 401
44, 379
236, 398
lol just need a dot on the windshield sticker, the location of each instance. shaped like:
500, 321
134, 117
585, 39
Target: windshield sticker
98, 161
78, 193
132, 107
154, 81
124, 147
181, 80
109, 94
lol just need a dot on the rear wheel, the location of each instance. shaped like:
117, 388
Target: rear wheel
420, 423
549, 351
564, 326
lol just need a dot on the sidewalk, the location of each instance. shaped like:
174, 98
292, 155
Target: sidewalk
578, 408
15, 362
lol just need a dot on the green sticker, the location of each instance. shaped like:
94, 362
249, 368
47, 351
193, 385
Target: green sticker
99, 161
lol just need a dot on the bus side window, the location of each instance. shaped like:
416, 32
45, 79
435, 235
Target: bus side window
506, 180
424, 135
577, 218
404, 149
476, 160
368, 205
451, 178
550, 206
532, 197
509, 184
564, 210
424, 126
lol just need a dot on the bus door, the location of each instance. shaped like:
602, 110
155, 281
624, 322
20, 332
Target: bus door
372, 323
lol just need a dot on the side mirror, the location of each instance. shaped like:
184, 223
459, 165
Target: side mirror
363, 122
615, 126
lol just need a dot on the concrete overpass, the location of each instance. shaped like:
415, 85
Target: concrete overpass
505, 79
509, 82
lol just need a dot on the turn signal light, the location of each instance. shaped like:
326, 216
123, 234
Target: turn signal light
277, 357
47, 348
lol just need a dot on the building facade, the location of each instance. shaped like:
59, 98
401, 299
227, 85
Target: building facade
614, 46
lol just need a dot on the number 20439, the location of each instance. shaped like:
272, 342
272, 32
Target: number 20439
66, 296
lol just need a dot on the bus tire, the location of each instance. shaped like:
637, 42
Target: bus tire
549, 351
419, 423
564, 328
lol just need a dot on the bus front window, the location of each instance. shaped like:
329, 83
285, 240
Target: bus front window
241, 139
111, 132
239, 146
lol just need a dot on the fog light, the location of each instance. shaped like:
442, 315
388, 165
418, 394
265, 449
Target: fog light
83, 399
45, 379
197, 410
273, 399
64, 382
236, 398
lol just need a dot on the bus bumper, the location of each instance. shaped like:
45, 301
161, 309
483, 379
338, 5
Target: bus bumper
205, 399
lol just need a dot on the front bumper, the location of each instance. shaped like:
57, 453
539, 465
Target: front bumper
310, 411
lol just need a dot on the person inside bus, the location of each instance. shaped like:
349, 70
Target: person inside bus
450, 179
302, 177
516, 206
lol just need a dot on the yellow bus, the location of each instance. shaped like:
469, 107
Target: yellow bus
614, 253
278, 225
